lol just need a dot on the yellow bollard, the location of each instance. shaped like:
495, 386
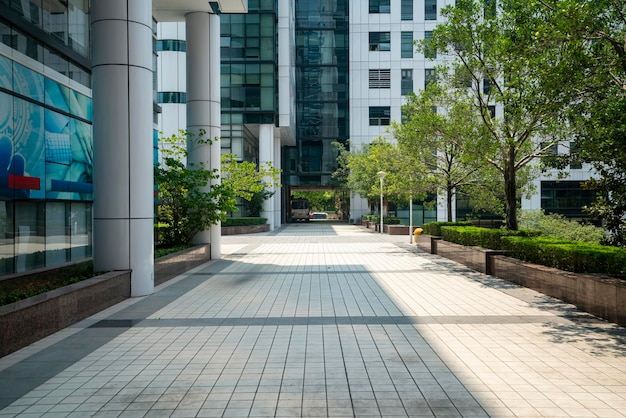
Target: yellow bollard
416, 233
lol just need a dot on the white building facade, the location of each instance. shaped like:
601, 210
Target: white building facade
252, 85
384, 66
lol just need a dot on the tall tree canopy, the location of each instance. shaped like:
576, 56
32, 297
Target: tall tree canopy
443, 131
404, 177
592, 40
494, 55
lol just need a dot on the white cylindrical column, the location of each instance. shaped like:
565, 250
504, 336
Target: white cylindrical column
266, 151
277, 195
203, 104
123, 149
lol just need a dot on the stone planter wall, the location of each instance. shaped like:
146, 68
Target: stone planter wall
170, 266
598, 295
29, 320
476, 258
249, 229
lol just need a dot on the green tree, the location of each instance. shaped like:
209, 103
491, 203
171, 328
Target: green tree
591, 37
252, 184
442, 130
404, 177
183, 206
494, 58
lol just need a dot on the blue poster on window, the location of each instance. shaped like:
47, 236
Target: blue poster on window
21, 149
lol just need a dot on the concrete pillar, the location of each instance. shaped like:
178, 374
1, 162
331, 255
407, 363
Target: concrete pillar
122, 130
266, 154
277, 195
203, 104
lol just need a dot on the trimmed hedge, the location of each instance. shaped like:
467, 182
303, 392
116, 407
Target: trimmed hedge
388, 220
244, 221
574, 256
434, 228
480, 237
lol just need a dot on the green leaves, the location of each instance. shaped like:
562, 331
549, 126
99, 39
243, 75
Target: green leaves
187, 201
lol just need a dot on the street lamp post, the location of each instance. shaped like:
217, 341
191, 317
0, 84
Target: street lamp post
381, 176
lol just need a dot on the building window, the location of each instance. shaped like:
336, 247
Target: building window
171, 97
552, 149
380, 6
380, 115
380, 41
429, 76
406, 47
406, 84
489, 9
171, 45
566, 198
487, 86
430, 10
429, 52
463, 77
406, 10
380, 79
492, 111
573, 150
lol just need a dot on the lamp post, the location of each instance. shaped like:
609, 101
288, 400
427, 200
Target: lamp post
381, 176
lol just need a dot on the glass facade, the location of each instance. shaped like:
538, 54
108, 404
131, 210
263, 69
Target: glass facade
406, 10
380, 115
46, 142
380, 6
249, 75
429, 52
430, 9
406, 83
321, 91
406, 45
380, 41
565, 198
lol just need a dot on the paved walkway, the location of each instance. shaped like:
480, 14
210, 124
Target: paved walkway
325, 320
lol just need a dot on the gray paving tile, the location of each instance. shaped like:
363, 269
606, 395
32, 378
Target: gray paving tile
330, 320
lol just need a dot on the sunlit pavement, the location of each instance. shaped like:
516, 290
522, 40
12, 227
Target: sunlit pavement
324, 319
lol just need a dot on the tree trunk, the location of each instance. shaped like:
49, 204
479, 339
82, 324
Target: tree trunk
510, 191
450, 196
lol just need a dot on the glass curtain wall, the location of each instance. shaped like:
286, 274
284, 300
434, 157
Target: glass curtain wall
46, 143
322, 90
249, 75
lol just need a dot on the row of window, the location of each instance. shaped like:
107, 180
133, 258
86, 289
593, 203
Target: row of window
176, 45
381, 79
66, 20
171, 97
406, 8
43, 234
37, 51
381, 41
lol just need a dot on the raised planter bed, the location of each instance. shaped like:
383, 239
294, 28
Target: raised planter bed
31, 319
171, 265
476, 258
249, 229
598, 295
28, 320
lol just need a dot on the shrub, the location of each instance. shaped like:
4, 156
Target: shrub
574, 256
434, 228
244, 221
12, 290
558, 226
481, 237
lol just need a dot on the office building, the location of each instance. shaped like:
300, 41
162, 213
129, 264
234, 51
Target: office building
80, 110
78, 122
